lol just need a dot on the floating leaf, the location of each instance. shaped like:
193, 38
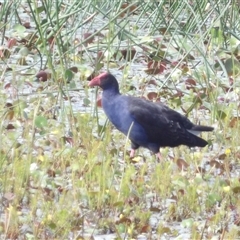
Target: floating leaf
52, 225
155, 209
9, 196
39, 9
42, 76
164, 230
212, 199
19, 106
128, 9
157, 56
91, 76
19, 28
41, 122
118, 204
51, 41
99, 66
27, 25
72, 85
25, 115
181, 192
10, 126
232, 66
236, 189
24, 51
51, 173
136, 159
189, 57
216, 164
153, 82
100, 56
67, 139
176, 75
127, 54
124, 220
74, 69
145, 229
69, 75
155, 67
86, 102
163, 30
222, 156
153, 96
87, 38
11, 42
99, 102
190, 83
182, 164
187, 222
233, 122
10, 115
221, 115
180, 182
9, 105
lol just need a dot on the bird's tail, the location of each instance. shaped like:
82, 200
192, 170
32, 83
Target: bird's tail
200, 128
197, 141
195, 131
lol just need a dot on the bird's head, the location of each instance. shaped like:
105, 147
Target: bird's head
105, 81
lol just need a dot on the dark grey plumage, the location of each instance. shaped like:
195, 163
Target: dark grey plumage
150, 125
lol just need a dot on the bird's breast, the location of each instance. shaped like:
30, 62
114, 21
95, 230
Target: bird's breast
118, 113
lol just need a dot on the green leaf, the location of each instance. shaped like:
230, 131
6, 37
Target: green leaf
207, 105
44, 21
122, 35
24, 51
236, 189
118, 204
39, 9
40, 122
181, 182
19, 28
86, 102
221, 115
52, 225
99, 66
187, 222
72, 85
25, 115
232, 66
213, 199
19, 106
69, 75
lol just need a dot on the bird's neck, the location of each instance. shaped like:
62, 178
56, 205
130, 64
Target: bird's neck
110, 93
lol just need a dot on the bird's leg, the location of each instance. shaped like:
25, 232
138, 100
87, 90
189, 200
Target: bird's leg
132, 153
134, 146
159, 156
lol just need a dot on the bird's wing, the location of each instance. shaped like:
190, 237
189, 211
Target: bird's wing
161, 123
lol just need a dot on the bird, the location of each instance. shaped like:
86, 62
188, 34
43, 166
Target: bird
147, 124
